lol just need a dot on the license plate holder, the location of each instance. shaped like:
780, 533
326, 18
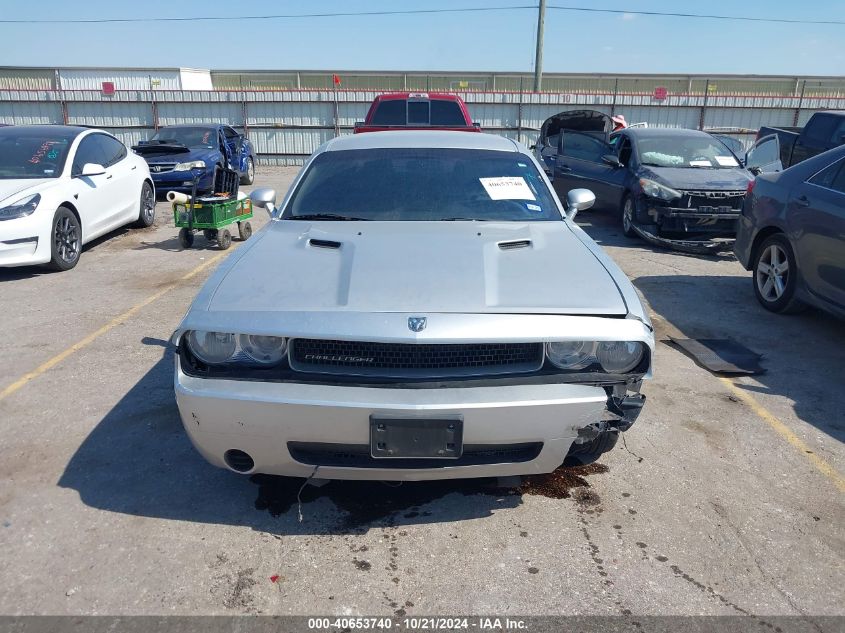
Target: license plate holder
423, 438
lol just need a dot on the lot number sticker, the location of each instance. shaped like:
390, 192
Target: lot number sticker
726, 161
507, 188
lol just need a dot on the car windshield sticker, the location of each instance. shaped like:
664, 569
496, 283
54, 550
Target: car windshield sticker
507, 188
41, 152
700, 163
533, 207
205, 138
726, 161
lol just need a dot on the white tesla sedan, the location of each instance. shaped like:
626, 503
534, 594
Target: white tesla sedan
63, 186
421, 307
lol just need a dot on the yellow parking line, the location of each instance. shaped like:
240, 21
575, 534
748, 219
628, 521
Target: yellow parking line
786, 433
58, 358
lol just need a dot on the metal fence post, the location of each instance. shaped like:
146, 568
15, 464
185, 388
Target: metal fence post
519, 112
704, 104
797, 114
615, 92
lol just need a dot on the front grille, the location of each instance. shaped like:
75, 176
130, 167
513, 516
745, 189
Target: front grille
713, 201
358, 456
161, 168
401, 360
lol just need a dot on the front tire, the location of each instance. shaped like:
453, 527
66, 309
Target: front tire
583, 454
629, 213
65, 240
776, 275
249, 177
147, 212
224, 239
186, 238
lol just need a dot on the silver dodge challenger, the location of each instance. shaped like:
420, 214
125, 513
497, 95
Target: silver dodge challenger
421, 306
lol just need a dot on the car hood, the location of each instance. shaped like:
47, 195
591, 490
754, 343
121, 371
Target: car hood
170, 153
12, 190
447, 267
698, 178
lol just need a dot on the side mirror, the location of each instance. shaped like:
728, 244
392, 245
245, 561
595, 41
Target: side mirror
266, 199
578, 200
755, 170
92, 169
611, 160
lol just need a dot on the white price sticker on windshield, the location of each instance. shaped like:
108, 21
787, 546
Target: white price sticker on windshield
507, 188
700, 163
726, 161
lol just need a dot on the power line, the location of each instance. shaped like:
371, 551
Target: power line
348, 14
289, 16
664, 14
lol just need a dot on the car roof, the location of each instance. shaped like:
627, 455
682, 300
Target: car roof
209, 125
66, 130
422, 94
656, 132
422, 139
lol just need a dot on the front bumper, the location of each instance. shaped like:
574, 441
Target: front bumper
26, 241
181, 181
267, 420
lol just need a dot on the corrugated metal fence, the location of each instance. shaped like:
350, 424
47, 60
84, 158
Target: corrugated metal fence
287, 125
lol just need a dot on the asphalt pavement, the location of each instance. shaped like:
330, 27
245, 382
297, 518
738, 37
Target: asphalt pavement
726, 497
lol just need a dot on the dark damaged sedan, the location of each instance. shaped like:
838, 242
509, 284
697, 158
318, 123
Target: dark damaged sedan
670, 186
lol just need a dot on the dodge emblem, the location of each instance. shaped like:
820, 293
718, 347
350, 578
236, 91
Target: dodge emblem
416, 324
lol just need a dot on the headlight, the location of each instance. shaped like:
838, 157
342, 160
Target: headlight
571, 354
194, 164
618, 357
212, 347
615, 357
267, 350
20, 208
217, 348
656, 190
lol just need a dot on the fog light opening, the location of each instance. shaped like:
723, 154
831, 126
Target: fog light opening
238, 460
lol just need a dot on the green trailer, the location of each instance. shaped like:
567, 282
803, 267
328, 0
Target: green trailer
212, 217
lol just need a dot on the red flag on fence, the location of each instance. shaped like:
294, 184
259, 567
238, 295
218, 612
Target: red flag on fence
336, 80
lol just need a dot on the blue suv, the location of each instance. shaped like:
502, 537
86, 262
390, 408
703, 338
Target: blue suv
176, 152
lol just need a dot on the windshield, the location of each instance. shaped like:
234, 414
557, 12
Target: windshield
685, 151
422, 185
204, 137
32, 154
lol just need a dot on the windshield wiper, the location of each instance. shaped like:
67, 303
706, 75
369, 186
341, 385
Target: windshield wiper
326, 216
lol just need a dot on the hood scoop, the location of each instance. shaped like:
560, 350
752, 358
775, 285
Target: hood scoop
514, 244
324, 243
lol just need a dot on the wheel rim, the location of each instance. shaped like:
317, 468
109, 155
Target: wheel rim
66, 239
147, 204
627, 215
772, 273
250, 169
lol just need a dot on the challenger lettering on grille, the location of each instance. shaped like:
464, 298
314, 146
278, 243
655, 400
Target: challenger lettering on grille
337, 358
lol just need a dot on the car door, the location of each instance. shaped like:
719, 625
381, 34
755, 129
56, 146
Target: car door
764, 156
94, 196
579, 163
121, 171
237, 160
816, 222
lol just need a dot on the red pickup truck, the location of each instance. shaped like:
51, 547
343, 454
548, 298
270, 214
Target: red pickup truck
417, 111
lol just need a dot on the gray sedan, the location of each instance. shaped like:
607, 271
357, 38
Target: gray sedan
791, 235
421, 306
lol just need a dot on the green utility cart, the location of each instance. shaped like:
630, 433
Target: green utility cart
211, 217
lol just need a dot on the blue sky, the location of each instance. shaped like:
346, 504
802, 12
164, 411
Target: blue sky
494, 41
